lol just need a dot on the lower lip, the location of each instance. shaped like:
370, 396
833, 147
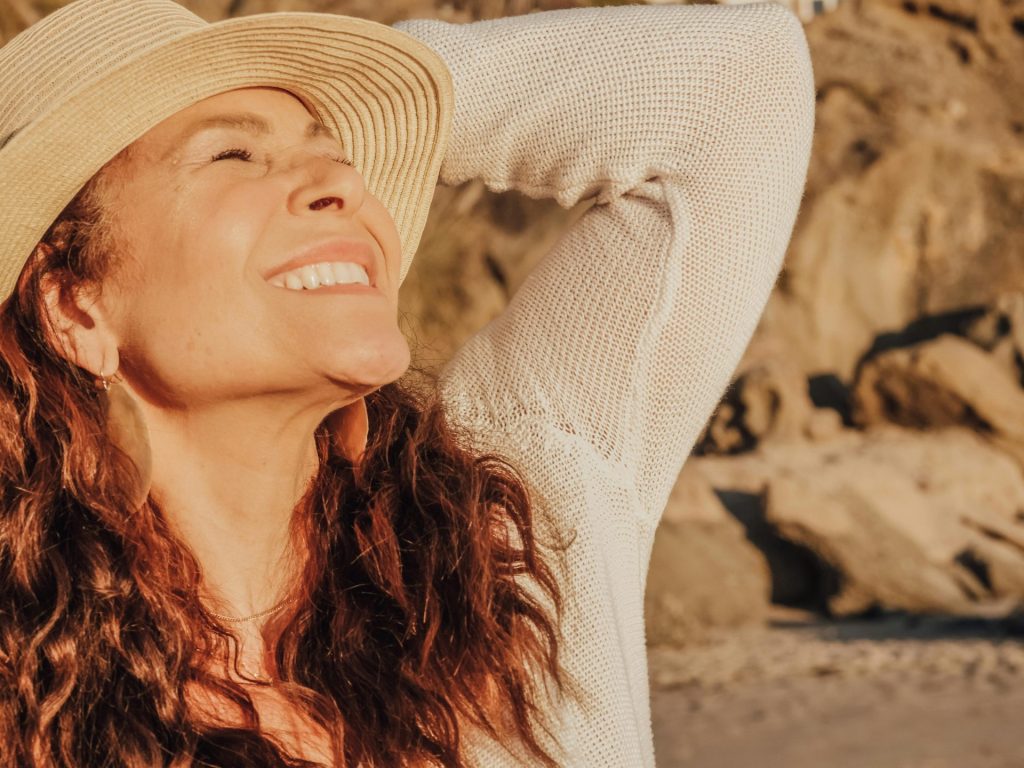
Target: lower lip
354, 288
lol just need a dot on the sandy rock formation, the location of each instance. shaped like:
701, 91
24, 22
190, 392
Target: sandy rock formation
948, 380
900, 310
703, 572
768, 399
18, 15
891, 518
916, 182
999, 330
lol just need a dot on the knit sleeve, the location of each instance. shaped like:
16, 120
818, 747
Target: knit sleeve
690, 127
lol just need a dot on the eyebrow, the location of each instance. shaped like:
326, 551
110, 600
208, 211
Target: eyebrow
246, 121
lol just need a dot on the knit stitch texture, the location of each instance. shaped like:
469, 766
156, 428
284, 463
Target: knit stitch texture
691, 127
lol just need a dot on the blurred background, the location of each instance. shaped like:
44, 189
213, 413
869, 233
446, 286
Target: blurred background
838, 576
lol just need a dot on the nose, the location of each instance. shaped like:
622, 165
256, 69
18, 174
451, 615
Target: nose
326, 183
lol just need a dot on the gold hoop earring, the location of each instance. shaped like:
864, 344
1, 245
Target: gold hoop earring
126, 429
350, 429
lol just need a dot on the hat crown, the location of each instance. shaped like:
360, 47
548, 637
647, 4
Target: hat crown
86, 81
77, 45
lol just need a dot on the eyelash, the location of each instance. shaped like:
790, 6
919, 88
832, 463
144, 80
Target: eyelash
227, 153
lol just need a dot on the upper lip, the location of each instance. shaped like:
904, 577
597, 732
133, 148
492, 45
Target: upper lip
333, 249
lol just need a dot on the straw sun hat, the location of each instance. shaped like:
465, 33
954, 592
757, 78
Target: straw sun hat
87, 80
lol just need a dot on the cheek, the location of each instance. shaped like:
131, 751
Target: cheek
219, 229
382, 226
187, 264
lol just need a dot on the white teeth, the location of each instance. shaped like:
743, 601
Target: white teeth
313, 276
346, 272
326, 274
309, 278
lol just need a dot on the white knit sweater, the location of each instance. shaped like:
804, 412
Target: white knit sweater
691, 125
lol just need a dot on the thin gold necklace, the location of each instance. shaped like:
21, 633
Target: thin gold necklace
267, 612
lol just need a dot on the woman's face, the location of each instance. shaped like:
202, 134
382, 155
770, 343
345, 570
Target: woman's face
204, 210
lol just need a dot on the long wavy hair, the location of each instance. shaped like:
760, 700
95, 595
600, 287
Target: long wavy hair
425, 602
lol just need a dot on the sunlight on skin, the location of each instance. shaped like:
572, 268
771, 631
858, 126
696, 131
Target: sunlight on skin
233, 374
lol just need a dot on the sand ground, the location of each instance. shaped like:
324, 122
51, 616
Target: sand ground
895, 692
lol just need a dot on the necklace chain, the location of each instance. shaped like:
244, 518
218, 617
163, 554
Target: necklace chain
266, 612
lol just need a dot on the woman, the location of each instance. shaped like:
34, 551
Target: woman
259, 543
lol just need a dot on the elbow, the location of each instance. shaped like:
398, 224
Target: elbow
771, 104
793, 73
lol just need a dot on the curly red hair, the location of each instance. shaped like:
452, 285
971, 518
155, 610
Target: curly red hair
414, 613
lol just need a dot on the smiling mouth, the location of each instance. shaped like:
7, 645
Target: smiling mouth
332, 262
323, 275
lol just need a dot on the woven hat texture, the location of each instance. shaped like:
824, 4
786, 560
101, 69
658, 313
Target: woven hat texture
90, 78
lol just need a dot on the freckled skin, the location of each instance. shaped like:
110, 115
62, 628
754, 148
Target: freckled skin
231, 374
194, 317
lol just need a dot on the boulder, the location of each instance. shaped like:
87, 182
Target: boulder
999, 329
897, 518
948, 380
916, 180
703, 572
768, 400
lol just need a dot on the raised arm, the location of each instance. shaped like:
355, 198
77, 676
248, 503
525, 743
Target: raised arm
691, 125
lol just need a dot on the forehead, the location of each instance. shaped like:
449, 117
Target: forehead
257, 110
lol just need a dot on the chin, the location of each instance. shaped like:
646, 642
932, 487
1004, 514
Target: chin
374, 364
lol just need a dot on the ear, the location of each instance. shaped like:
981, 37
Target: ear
78, 329
350, 429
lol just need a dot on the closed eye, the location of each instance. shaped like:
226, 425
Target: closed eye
244, 154
229, 154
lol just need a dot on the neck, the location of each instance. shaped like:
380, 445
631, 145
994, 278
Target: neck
229, 478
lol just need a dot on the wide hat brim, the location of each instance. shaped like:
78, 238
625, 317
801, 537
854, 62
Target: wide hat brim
387, 96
